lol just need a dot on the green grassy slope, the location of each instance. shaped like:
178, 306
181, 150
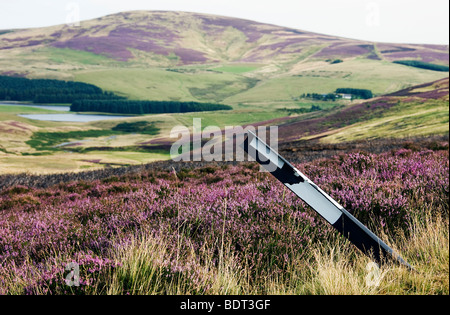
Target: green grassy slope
234, 87
161, 84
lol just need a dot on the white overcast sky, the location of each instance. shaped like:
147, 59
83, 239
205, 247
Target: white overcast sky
395, 21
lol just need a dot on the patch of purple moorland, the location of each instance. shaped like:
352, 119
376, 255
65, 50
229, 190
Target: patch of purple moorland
151, 31
287, 46
21, 42
345, 50
440, 89
189, 56
251, 213
16, 39
388, 49
14, 74
98, 45
437, 47
283, 45
117, 44
249, 28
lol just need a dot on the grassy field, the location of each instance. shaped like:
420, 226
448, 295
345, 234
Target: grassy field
234, 87
238, 68
61, 162
24, 140
235, 118
31, 146
37, 146
71, 56
380, 77
17, 110
160, 84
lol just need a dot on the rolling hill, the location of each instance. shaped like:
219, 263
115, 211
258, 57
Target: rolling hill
155, 55
421, 110
261, 70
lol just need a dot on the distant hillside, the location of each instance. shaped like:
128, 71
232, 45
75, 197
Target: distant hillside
179, 38
180, 56
421, 110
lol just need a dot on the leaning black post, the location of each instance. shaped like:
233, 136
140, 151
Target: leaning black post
316, 198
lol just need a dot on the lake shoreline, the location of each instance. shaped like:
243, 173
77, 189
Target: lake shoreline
69, 117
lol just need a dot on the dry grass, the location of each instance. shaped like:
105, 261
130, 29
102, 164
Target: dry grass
407, 119
334, 268
150, 264
144, 271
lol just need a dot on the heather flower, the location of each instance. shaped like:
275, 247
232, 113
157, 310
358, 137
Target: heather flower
204, 210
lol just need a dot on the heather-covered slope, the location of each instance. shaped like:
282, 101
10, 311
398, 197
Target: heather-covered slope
221, 230
186, 38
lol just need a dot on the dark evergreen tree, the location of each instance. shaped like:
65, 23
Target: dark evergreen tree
50, 91
143, 107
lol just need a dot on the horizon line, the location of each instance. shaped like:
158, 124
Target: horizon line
231, 17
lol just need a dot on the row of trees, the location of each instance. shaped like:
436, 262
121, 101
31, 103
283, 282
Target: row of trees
321, 97
302, 110
90, 98
50, 91
143, 107
423, 65
356, 93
